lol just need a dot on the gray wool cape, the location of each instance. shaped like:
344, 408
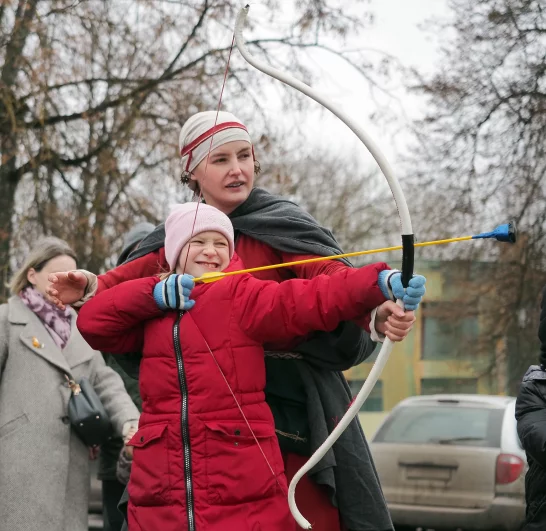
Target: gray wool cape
44, 467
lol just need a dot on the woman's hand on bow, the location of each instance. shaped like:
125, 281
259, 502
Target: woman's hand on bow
393, 322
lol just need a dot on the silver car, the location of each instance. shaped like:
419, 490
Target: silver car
452, 461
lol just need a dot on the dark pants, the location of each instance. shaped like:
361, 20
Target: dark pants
122, 507
111, 494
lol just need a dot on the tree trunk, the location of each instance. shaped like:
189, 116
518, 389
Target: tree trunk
8, 185
9, 174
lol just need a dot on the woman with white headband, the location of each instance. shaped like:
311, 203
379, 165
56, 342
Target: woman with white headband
305, 389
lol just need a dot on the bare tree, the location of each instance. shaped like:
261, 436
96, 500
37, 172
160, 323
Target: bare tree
92, 95
481, 158
353, 201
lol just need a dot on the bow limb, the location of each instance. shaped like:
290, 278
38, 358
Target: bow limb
407, 258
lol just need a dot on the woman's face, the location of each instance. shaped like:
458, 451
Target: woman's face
59, 264
229, 175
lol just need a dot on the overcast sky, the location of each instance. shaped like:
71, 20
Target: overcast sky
395, 31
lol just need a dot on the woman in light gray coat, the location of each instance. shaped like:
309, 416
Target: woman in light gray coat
44, 466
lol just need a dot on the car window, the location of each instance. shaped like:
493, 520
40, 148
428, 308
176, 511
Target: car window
443, 424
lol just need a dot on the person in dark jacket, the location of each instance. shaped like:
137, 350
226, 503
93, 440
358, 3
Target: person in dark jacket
112, 487
531, 417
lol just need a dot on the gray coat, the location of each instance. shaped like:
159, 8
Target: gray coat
44, 467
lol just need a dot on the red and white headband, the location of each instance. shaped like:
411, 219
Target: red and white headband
197, 131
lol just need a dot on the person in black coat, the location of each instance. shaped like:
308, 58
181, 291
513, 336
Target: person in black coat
531, 417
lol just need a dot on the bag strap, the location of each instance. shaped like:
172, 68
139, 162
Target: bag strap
74, 386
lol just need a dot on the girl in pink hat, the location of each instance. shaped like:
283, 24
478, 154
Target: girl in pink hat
206, 455
305, 386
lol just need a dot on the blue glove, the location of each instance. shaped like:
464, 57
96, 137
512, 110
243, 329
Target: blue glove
390, 282
173, 293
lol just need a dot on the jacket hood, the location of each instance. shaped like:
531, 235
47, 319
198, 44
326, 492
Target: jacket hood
534, 372
134, 237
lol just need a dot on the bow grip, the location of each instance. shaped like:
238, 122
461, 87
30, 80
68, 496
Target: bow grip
407, 258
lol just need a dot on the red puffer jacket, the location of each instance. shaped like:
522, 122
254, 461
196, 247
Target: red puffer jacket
196, 464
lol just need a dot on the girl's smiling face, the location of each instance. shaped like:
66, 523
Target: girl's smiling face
229, 175
206, 252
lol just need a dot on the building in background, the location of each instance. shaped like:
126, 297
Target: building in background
448, 350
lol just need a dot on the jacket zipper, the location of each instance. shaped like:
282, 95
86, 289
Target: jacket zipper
184, 424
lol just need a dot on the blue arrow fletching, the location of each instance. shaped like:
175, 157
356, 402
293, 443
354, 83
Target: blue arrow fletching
503, 233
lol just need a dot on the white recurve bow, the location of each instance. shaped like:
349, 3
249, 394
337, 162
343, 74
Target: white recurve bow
407, 259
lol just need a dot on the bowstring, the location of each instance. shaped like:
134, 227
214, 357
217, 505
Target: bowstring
284, 492
199, 197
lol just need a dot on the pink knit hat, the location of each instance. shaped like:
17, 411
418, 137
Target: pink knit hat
179, 224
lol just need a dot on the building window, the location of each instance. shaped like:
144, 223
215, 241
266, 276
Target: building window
374, 402
446, 335
433, 386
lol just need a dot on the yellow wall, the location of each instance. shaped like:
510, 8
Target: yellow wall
405, 369
370, 422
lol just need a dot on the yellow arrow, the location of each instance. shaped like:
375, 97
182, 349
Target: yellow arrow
214, 276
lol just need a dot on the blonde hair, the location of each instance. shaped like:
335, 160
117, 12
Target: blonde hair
45, 250
166, 274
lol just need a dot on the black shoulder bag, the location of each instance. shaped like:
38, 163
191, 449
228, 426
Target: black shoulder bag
87, 414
